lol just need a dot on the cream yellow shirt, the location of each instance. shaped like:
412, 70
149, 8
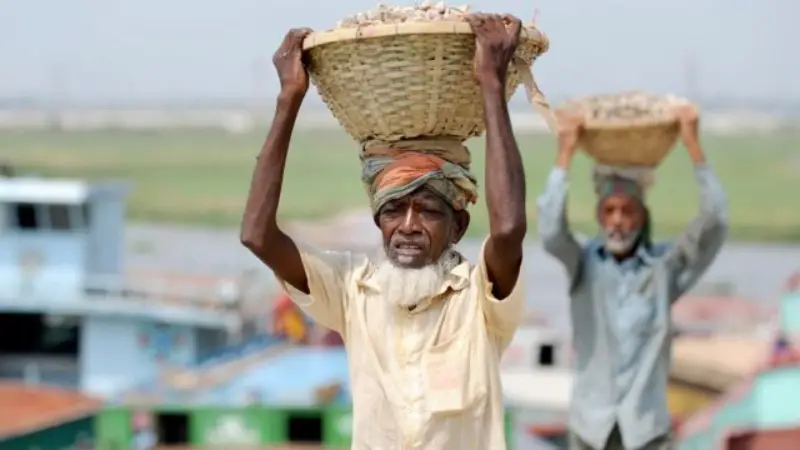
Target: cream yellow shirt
423, 379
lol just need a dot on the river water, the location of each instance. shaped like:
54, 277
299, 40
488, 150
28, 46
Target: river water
755, 271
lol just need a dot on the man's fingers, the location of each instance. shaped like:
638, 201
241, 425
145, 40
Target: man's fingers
297, 35
294, 38
302, 32
476, 20
570, 119
686, 112
514, 25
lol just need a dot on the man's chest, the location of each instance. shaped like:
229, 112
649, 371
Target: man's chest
402, 335
629, 298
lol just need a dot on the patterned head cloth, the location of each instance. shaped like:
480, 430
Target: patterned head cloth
618, 185
394, 170
633, 181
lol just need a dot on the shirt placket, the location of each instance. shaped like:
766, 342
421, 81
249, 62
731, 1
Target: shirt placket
617, 290
621, 296
625, 277
410, 363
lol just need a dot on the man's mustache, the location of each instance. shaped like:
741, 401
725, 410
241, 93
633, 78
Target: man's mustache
618, 233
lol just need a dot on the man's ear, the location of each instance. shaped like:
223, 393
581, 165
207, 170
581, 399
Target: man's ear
461, 223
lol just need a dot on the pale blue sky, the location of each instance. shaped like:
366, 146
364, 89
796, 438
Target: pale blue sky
142, 50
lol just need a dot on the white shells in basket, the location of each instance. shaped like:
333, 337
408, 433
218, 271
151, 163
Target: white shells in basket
421, 12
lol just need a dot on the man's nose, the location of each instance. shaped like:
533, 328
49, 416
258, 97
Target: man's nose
616, 218
410, 223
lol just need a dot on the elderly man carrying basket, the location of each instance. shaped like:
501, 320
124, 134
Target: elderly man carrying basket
424, 330
622, 284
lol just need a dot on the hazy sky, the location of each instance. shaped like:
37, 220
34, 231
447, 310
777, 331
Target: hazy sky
110, 50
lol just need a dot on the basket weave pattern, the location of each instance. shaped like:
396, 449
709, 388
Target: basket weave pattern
641, 141
404, 86
639, 145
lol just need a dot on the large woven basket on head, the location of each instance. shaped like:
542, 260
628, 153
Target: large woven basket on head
624, 141
402, 81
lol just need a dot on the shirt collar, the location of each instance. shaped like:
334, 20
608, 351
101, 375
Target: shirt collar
456, 280
642, 254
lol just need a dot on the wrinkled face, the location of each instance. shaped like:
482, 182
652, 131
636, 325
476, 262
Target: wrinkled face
621, 218
418, 228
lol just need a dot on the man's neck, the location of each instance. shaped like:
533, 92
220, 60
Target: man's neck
621, 257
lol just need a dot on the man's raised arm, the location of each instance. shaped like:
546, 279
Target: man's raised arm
260, 232
497, 38
697, 247
315, 280
554, 230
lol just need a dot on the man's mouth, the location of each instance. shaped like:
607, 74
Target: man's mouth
408, 249
616, 234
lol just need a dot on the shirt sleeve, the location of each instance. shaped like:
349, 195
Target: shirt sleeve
328, 274
554, 231
502, 316
696, 248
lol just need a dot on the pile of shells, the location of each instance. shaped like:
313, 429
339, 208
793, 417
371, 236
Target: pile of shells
421, 12
627, 106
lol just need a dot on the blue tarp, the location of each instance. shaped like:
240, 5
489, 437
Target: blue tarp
290, 378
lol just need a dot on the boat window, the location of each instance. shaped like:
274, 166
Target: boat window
547, 355
26, 216
59, 216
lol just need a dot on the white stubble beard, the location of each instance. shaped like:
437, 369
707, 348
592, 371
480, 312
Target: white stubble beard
406, 287
617, 245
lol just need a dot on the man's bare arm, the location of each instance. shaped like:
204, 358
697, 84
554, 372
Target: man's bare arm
505, 175
260, 232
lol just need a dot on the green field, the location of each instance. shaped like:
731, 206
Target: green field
202, 177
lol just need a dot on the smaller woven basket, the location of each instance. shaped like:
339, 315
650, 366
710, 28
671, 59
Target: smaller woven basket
408, 80
640, 141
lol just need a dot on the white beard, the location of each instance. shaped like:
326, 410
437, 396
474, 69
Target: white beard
405, 287
620, 244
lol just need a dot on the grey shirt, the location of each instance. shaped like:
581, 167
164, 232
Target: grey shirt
621, 314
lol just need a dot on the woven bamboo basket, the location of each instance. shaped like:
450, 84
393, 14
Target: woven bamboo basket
402, 81
643, 141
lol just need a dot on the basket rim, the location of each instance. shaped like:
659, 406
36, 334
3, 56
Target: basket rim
318, 38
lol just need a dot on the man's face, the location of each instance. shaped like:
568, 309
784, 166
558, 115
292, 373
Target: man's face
622, 218
418, 228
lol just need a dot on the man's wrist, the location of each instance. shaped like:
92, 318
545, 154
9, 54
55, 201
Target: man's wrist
492, 88
564, 156
695, 152
290, 98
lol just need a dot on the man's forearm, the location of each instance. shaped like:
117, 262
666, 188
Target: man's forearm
505, 175
259, 224
696, 153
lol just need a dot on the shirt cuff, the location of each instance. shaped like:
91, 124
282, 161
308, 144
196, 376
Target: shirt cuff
557, 175
557, 179
703, 173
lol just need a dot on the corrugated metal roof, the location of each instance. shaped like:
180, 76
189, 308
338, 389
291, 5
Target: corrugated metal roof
25, 409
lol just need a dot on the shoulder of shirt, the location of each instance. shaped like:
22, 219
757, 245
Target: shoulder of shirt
659, 249
585, 241
588, 244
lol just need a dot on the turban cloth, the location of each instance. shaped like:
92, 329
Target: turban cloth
393, 170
